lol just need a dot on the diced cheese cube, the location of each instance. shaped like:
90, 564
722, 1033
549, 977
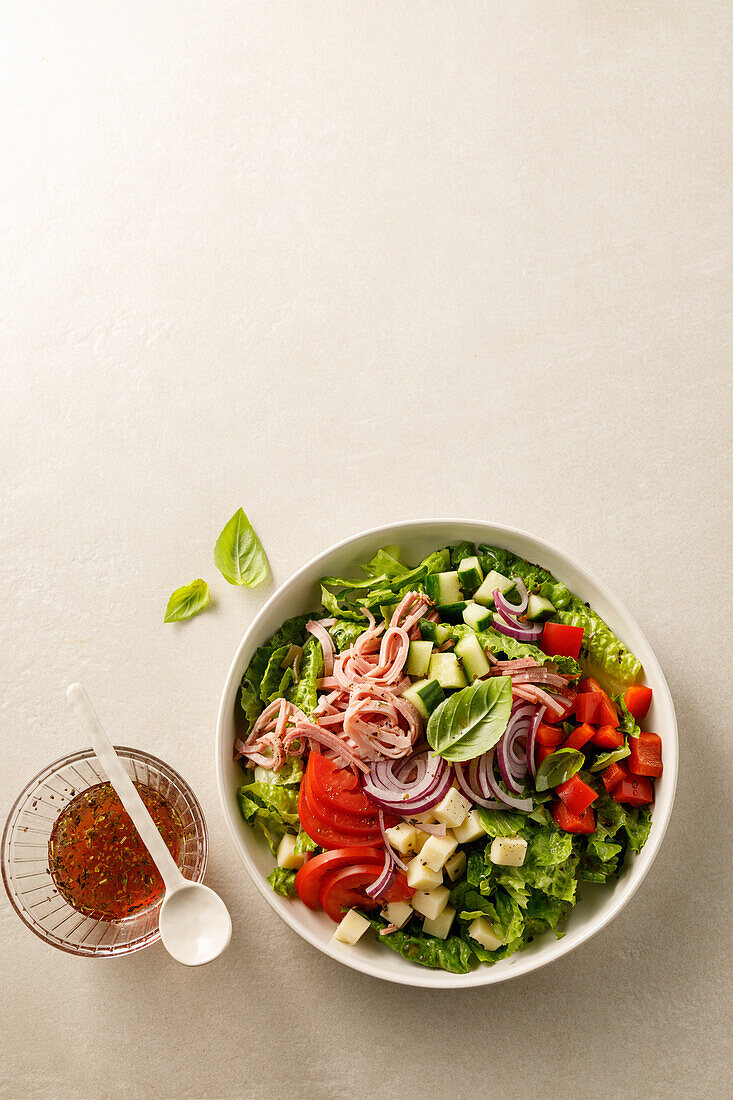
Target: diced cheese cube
352, 928
481, 931
422, 877
397, 913
426, 818
508, 851
421, 839
286, 856
455, 866
437, 850
453, 809
471, 829
440, 926
402, 837
430, 903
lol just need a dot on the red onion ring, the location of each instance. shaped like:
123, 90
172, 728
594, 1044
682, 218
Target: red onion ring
395, 858
471, 787
385, 879
504, 604
532, 741
522, 632
385, 787
525, 805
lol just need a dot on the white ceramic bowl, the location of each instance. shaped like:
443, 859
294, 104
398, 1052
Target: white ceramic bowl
598, 904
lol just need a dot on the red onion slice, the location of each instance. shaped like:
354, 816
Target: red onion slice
506, 624
385, 879
470, 786
390, 850
532, 741
384, 786
505, 606
525, 805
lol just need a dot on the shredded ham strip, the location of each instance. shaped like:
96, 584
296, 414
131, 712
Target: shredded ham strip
360, 716
526, 675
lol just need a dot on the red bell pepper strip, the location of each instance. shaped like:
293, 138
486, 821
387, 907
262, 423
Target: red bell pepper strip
646, 754
559, 640
638, 700
573, 823
634, 789
576, 795
580, 736
541, 751
607, 738
548, 735
612, 776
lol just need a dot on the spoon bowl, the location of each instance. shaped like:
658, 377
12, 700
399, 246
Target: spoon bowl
194, 924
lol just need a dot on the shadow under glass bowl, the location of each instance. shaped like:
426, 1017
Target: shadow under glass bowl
25, 865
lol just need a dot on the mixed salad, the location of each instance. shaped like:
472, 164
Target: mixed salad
445, 752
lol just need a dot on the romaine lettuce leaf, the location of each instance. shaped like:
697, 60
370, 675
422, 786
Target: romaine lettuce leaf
345, 633
304, 693
275, 675
460, 551
452, 954
292, 632
603, 655
282, 881
269, 807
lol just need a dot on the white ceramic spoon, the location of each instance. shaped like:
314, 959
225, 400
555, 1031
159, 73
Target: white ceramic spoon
194, 922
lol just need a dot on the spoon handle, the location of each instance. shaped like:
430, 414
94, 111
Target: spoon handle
82, 707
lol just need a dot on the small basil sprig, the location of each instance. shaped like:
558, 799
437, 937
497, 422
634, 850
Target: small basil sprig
605, 758
472, 720
238, 553
187, 601
557, 768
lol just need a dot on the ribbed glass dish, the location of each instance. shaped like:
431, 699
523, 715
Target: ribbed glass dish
25, 868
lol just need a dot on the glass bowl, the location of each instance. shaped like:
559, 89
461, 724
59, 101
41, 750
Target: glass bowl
25, 868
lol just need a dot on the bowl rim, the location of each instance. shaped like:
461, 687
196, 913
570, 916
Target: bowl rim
52, 769
422, 976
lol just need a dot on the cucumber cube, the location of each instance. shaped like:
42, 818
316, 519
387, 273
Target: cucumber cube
473, 657
494, 580
446, 669
477, 617
470, 574
443, 587
418, 658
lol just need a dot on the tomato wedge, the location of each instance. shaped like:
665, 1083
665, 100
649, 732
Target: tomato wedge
338, 819
337, 787
345, 888
326, 835
308, 878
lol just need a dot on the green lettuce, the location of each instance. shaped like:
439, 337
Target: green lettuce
453, 954
292, 632
304, 693
270, 807
603, 655
345, 633
276, 678
282, 881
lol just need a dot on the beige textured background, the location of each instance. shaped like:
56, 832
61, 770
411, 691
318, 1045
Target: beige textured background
330, 261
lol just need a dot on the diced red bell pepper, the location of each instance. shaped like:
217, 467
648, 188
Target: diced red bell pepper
580, 736
634, 789
569, 699
586, 706
596, 707
559, 640
541, 751
646, 754
607, 738
549, 735
573, 823
612, 776
638, 700
576, 795
589, 685
606, 714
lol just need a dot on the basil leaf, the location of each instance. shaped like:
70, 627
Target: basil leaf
187, 601
238, 554
471, 720
606, 758
558, 767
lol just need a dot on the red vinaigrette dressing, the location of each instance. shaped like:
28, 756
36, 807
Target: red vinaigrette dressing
97, 860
